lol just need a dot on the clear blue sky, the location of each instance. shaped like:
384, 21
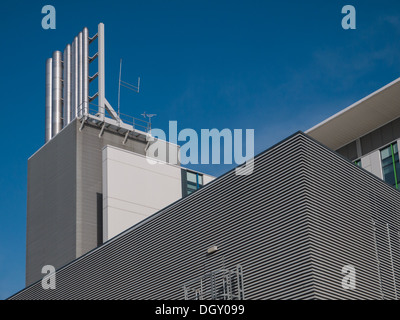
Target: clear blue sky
273, 66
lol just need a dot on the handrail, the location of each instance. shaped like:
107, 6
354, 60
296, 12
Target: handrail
136, 123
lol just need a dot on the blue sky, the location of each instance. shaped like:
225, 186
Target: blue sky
273, 66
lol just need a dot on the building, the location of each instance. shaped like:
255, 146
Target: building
117, 227
367, 133
283, 232
92, 178
84, 189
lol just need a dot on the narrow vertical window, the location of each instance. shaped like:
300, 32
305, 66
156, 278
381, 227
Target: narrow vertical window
391, 165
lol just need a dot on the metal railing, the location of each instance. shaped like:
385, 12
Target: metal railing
221, 284
136, 123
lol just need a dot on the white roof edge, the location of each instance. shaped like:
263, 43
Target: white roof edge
353, 105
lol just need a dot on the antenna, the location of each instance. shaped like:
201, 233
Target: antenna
126, 85
119, 86
144, 114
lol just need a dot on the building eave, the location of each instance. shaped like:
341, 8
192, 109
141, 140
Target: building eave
360, 118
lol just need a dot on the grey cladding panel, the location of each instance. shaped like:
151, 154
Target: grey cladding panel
349, 151
381, 137
64, 183
259, 221
51, 205
303, 214
345, 203
372, 141
89, 180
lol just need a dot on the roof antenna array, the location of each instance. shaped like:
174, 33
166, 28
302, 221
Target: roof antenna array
125, 85
144, 114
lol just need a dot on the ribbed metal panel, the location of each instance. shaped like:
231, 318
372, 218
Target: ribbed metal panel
349, 212
303, 214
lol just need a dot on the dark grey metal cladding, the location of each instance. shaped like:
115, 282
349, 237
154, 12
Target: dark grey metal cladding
349, 211
373, 140
349, 151
303, 214
184, 182
259, 221
381, 136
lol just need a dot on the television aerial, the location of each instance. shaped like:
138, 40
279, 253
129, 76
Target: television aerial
149, 116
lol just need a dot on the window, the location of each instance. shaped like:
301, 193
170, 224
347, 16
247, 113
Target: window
391, 165
194, 181
191, 181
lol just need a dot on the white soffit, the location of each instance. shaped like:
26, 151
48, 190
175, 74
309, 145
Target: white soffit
362, 117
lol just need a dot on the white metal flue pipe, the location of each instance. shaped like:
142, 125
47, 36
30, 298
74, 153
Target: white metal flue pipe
67, 86
101, 71
80, 74
49, 89
74, 80
56, 93
85, 69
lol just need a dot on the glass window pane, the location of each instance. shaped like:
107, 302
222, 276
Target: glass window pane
193, 181
191, 188
386, 153
394, 147
191, 177
388, 164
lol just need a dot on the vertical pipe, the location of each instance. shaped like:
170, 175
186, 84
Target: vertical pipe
67, 86
74, 79
101, 69
85, 67
80, 74
56, 93
49, 79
